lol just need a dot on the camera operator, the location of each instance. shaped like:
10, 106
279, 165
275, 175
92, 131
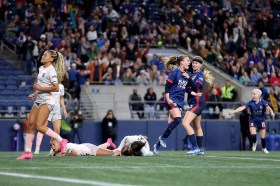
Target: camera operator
76, 121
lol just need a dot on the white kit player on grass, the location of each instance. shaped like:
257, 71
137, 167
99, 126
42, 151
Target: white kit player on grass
85, 149
54, 117
136, 145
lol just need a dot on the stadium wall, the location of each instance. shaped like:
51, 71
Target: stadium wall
219, 135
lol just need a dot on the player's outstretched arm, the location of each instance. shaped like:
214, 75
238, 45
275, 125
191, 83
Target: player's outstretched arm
239, 109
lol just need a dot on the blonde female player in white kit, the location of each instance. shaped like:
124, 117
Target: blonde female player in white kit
49, 77
54, 117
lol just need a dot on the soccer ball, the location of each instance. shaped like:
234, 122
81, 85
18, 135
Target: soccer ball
16, 126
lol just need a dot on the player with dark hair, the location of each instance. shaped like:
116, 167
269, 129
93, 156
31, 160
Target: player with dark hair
257, 108
175, 90
196, 103
136, 145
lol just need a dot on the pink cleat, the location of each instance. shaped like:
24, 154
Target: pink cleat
25, 155
63, 144
111, 144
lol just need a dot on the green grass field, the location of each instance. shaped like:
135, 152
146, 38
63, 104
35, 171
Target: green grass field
168, 168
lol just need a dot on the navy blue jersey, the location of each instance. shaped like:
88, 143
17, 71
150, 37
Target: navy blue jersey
177, 90
196, 84
257, 111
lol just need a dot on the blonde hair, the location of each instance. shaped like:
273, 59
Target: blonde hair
209, 78
59, 64
258, 91
170, 62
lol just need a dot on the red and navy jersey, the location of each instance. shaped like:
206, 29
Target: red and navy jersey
257, 110
195, 84
178, 86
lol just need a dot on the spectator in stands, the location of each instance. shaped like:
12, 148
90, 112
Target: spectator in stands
143, 78
82, 79
76, 121
150, 97
229, 92
244, 128
28, 63
109, 126
129, 77
255, 76
137, 105
72, 73
274, 80
263, 89
273, 100
108, 77
215, 108
265, 41
264, 78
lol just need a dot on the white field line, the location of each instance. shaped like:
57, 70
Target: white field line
60, 179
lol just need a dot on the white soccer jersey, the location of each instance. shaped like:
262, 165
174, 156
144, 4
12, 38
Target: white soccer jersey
46, 77
58, 94
84, 149
128, 140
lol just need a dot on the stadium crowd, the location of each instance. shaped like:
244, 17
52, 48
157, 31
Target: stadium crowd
107, 42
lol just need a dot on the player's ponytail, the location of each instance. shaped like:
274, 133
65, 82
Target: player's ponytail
170, 62
208, 77
59, 64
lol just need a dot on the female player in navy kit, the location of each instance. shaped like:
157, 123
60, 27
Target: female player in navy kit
257, 108
49, 77
175, 89
197, 103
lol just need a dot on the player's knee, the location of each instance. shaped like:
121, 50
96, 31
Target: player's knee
176, 122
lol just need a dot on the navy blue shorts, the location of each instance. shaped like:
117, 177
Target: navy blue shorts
197, 109
174, 105
258, 124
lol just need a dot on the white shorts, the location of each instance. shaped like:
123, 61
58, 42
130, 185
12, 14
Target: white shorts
39, 104
93, 148
55, 114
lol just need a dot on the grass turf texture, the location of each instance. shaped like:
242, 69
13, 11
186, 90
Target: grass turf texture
168, 168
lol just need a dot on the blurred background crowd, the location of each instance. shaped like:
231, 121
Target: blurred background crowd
108, 42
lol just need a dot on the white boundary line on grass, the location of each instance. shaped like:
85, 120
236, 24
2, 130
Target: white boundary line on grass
241, 158
60, 179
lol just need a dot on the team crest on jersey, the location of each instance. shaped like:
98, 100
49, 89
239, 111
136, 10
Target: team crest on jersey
43, 75
261, 107
182, 84
193, 78
201, 78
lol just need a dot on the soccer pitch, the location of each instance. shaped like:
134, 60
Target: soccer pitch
168, 168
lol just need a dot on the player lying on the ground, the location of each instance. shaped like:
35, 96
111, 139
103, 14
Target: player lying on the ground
84, 149
136, 145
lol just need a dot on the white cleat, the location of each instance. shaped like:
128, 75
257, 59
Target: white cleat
265, 151
36, 151
254, 147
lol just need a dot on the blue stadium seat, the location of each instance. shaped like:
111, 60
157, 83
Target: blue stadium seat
11, 82
12, 87
8, 92
13, 98
2, 87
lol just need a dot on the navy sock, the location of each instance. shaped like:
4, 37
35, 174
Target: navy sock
199, 141
171, 126
192, 140
263, 143
254, 138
